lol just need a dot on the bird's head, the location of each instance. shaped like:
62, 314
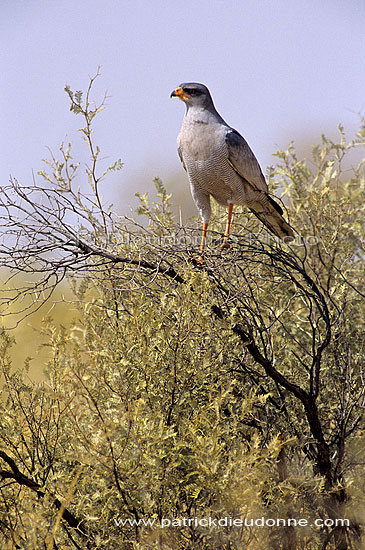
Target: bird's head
194, 95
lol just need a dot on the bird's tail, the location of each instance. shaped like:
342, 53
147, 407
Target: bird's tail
271, 215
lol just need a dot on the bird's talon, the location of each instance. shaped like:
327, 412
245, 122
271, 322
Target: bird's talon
226, 244
197, 261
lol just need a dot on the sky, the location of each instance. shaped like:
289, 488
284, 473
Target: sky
278, 71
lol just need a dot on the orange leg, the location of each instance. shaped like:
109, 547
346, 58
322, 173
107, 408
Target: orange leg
202, 244
228, 226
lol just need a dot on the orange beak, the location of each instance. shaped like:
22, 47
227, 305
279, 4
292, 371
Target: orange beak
179, 92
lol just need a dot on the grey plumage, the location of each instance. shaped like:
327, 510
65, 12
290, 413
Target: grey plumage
220, 163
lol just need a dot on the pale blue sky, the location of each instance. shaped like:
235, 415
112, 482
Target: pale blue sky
277, 70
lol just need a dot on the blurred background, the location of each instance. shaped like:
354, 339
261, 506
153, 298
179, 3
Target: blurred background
278, 71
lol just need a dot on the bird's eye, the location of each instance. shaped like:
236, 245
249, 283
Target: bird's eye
192, 91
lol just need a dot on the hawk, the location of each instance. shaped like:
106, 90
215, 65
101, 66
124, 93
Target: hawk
220, 164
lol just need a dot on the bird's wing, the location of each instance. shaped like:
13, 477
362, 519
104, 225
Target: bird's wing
181, 157
243, 161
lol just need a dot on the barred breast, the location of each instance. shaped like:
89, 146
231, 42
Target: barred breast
206, 161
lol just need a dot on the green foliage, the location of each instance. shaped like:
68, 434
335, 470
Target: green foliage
159, 213
165, 399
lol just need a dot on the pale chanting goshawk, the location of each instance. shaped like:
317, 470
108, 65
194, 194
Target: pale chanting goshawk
220, 163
